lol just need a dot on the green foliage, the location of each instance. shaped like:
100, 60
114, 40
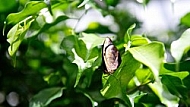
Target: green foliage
185, 19
61, 67
151, 55
16, 36
44, 97
31, 9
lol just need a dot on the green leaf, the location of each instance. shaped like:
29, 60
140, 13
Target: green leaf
146, 100
175, 86
151, 55
180, 75
137, 40
144, 75
68, 44
81, 49
181, 45
115, 85
163, 94
127, 36
92, 40
32, 8
81, 65
169, 69
44, 97
84, 53
186, 82
183, 66
16, 35
185, 20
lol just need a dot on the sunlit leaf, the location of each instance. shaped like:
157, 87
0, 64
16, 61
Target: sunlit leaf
84, 53
31, 8
44, 97
137, 40
151, 55
169, 69
81, 65
185, 20
179, 46
163, 94
115, 85
180, 75
17, 34
127, 36
144, 76
92, 40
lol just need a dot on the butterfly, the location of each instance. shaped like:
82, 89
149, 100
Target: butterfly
110, 56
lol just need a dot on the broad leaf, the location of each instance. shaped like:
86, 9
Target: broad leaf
81, 49
163, 94
185, 20
169, 69
68, 44
92, 40
44, 97
115, 85
137, 40
81, 65
151, 55
31, 9
144, 76
175, 86
181, 45
127, 36
86, 55
16, 35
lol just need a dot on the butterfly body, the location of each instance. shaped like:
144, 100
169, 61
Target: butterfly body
110, 56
